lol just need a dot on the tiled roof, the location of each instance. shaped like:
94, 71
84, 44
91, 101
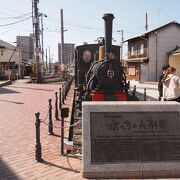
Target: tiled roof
143, 35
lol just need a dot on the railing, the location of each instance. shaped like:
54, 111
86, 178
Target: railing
63, 111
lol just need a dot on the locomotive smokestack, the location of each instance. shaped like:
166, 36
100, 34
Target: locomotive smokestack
108, 18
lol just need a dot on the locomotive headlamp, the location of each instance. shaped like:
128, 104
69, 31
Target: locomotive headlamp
110, 73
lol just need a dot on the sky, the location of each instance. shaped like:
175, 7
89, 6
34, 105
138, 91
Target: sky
83, 19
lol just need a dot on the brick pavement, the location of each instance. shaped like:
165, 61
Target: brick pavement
18, 104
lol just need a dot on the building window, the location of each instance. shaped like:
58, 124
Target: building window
142, 49
138, 49
1, 52
132, 50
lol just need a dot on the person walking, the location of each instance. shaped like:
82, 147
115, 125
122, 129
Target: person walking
160, 84
171, 85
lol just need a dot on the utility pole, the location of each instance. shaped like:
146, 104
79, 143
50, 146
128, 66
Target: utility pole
159, 11
46, 61
146, 25
42, 37
62, 42
20, 57
49, 61
33, 15
19, 63
122, 39
156, 36
37, 48
42, 41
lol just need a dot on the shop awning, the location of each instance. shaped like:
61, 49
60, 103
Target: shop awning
175, 51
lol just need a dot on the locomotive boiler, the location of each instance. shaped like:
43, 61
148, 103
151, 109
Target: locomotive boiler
98, 70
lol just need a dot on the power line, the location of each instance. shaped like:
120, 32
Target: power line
1, 25
15, 17
73, 11
74, 24
16, 49
10, 10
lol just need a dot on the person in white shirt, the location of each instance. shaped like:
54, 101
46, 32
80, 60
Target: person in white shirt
171, 85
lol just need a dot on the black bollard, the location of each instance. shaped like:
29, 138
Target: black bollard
128, 84
64, 90
70, 137
38, 154
134, 91
56, 106
50, 125
64, 114
145, 94
63, 94
60, 99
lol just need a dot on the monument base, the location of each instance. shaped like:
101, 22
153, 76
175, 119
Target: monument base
131, 174
128, 140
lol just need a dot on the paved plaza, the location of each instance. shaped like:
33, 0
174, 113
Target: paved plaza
18, 104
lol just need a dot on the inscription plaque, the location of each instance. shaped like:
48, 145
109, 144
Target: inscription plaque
134, 137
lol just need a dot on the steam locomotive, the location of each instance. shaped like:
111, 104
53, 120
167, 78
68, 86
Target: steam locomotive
99, 74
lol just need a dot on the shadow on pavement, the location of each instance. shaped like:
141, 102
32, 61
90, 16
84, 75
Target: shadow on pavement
141, 97
61, 167
7, 91
39, 89
11, 101
149, 88
6, 172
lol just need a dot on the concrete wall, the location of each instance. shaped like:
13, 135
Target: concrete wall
174, 61
144, 72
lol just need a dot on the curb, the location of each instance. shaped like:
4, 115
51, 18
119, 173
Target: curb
5, 83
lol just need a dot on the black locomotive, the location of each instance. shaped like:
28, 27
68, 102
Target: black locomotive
99, 76
98, 70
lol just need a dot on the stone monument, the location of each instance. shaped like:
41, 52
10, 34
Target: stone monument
131, 139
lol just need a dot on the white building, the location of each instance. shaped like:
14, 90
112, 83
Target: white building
148, 52
10, 58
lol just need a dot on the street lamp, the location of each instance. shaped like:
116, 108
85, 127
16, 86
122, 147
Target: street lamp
58, 30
